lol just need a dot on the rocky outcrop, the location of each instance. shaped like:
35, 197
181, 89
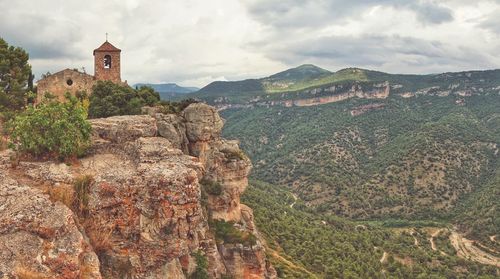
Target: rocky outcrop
39, 238
143, 213
320, 96
366, 108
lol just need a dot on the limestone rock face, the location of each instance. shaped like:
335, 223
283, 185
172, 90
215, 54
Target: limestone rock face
173, 128
39, 237
144, 216
119, 129
146, 200
203, 123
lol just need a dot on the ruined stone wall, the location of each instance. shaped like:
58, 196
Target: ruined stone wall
64, 81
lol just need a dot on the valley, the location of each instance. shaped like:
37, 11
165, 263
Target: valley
412, 157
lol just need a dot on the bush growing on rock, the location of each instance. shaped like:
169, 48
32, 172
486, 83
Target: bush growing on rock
234, 154
201, 267
110, 99
226, 232
168, 107
211, 187
52, 129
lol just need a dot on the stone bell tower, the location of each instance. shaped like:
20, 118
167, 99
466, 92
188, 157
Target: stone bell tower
107, 63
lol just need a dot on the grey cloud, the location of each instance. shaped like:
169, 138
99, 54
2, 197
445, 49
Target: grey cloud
313, 13
378, 52
491, 22
43, 37
431, 13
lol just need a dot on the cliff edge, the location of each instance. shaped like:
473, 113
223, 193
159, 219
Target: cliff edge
154, 194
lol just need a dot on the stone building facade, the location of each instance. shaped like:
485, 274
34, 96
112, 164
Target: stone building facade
106, 67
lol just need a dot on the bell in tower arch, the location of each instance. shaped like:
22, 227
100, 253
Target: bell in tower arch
107, 61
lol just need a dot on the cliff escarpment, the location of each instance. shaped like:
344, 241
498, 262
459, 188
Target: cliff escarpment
157, 196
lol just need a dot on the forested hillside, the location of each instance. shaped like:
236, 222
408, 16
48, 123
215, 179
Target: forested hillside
426, 151
304, 244
413, 158
417, 152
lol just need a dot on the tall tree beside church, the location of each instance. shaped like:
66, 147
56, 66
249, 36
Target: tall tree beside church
15, 73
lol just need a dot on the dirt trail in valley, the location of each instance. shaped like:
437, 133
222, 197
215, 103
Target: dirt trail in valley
493, 238
467, 250
384, 257
431, 239
412, 233
295, 198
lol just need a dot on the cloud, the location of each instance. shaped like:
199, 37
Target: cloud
193, 42
491, 22
314, 13
391, 53
42, 36
432, 13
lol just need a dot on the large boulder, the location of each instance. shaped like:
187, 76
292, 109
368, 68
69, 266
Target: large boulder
203, 123
119, 129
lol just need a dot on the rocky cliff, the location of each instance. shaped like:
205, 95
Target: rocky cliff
312, 97
145, 202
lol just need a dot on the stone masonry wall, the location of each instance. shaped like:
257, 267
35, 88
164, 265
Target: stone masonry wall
64, 81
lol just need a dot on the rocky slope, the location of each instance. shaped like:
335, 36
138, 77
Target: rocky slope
134, 206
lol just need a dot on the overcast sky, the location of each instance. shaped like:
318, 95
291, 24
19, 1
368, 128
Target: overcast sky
194, 42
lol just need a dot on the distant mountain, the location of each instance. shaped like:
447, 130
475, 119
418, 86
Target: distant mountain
168, 90
291, 79
309, 84
304, 72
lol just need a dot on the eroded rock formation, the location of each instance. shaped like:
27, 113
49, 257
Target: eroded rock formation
143, 214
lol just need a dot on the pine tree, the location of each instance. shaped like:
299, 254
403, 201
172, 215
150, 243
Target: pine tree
15, 73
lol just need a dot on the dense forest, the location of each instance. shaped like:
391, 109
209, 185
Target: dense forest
305, 244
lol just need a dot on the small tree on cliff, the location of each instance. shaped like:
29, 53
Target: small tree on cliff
52, 129
109, 99
15, 73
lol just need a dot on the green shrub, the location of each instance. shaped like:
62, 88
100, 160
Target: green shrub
234, 154
52, 129
211, 187
227, 233
168, 107
201, 267
110, 99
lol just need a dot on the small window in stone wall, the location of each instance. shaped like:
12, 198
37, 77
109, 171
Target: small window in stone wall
107, 61
69, 82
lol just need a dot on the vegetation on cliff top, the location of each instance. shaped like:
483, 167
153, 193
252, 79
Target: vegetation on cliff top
110, 99
53, 129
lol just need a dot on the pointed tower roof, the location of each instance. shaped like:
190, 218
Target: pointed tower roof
107, 47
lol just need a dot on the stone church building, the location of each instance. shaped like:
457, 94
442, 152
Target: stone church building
106, 67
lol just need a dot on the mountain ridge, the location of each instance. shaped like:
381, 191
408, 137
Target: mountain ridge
168, 91
321, 88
